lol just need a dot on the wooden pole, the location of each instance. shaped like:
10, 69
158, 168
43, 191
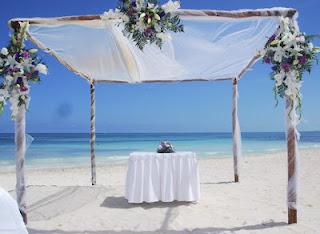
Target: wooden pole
236, 136
292, 161
20, 139
288, 12
92, 133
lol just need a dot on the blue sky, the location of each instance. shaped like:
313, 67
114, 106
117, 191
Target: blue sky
60, 103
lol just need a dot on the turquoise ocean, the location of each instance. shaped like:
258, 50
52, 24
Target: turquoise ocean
73, 149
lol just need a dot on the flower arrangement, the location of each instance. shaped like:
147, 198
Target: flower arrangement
165, 147
18, 66
145, 22
291, 53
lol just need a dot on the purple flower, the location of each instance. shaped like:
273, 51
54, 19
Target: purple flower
19, 81
25, 55
148, 32
274, 68
302, 60
286, 66
134, 4
267, 60
36, 73
130, 12
272, 38
13, 70
23, 89
17, 56
162, 14
29, 74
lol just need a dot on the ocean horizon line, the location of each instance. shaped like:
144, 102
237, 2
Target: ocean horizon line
218, 132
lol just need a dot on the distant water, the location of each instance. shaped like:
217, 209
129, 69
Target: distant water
73, 149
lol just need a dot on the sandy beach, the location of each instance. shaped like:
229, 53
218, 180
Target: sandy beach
61, 200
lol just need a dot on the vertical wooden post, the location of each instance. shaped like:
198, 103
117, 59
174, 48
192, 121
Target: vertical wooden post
92, 133
20, 140
236, 135
292, 161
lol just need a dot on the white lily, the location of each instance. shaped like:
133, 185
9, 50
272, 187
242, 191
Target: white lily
42, 68
284, 24
11, 61
4, 51
171, 6
150, 5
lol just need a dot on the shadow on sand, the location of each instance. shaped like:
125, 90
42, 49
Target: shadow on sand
122, 203
211, 230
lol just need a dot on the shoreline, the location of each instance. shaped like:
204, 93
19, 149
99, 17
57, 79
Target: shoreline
122, 160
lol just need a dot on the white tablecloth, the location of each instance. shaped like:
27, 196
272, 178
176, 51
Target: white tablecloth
153, 177
10, 218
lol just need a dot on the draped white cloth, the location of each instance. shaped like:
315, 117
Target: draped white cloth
153, 177
10, 218
211, 48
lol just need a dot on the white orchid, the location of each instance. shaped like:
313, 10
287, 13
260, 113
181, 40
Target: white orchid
279, 54
293, 84
4, 51
279, 77
42, 68
171, 6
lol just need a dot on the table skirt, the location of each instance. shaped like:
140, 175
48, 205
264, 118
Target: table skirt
153, 177
10, 218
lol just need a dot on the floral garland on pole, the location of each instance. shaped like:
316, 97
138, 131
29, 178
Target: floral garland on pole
145, 22
291, 53
18, 66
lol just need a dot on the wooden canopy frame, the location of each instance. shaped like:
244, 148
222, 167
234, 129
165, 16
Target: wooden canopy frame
20, 123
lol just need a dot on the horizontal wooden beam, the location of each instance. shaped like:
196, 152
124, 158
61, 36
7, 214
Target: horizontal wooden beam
286, 12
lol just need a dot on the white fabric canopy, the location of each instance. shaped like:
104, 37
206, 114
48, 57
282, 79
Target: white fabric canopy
211, 48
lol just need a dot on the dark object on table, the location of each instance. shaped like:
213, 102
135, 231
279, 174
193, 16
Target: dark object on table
165, 147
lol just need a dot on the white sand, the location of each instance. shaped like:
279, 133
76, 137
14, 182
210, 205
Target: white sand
62, 200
